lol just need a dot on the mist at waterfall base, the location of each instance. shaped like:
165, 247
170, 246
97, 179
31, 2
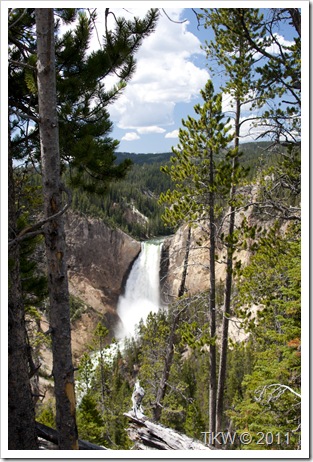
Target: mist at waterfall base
142, 291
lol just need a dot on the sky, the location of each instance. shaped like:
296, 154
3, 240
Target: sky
171, 70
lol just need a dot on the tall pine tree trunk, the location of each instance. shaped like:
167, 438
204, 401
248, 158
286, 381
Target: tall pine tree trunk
168, 361
183, 289
160, 394
21, 425
212, 300
63, 370
228, 284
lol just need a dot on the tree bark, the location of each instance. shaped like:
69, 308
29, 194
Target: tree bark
182, 288
296, 19
228, 287
212, 300
63, 370
148, 435
157, 409
21, 424
49, 434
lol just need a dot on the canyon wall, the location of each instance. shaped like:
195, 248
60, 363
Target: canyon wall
99, 260
197, 247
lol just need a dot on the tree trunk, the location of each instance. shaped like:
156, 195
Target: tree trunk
228, 287
49, 434
212, 300
63, 370
182, 288
157, 409
21, 425
296, 19
149, 435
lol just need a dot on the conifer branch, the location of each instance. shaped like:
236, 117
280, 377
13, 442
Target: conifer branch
18, 19
36, 229
21, 64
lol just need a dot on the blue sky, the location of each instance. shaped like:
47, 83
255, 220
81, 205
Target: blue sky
171, 71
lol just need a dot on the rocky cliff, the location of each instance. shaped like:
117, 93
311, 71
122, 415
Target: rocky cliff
196, 245
99, 261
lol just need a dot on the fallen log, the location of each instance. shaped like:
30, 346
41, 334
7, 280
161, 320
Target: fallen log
50, 434
149, 435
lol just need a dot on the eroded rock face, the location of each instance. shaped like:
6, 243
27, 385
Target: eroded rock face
175, 249
99, 260
98, 253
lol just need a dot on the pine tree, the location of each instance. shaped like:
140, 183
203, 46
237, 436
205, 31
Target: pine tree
117, 55
59, 312
234, 55
271, 391
275, 94
85, 144
21, 424
195, 171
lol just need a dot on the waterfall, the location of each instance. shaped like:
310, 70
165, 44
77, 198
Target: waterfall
142, 295
142, 291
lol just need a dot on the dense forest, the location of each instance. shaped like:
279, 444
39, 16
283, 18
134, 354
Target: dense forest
243, 198
140, 191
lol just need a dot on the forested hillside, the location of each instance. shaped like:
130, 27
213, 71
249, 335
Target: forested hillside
219, 355
132, 203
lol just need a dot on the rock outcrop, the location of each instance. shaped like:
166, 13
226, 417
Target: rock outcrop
177, 246
174, 253
99, 260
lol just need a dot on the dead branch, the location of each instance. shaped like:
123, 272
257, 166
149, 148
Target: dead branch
49, 434
149, 435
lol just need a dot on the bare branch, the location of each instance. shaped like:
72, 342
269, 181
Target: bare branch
172, 20
276, 393
21, 64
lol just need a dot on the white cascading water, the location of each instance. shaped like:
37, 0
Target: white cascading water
142, 292
142, 295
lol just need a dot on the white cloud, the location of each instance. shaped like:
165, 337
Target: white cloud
165, 75
152, 129
130, 136
173, 134
274, 48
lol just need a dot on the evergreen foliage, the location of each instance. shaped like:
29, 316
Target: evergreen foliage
104, 394
201, 139
271, 392
54, 82
263, 379
132, 203
142, 188
84, 125
170, 353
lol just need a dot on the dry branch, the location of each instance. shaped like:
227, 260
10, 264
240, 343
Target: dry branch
149, 435
49, 434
